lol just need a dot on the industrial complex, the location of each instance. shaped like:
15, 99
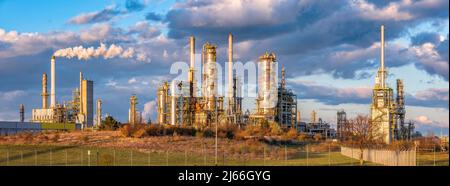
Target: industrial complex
179, 103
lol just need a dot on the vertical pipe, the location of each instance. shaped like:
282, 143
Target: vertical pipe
52, 91
382, 58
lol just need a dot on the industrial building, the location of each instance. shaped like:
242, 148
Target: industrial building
386, 113
134, 115
184, 107
78, 110
316, 126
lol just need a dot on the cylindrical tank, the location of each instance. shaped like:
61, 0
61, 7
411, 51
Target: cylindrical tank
162, 103
210, 83
267, 78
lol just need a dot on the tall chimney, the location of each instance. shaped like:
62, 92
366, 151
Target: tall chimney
192, 64
230, 74
52, 89
22, 113
192, 52
81, 93
44, 92
230, 62
99, 112
382, 59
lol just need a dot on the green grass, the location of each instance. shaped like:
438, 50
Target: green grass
45, 155
432, 159
42, 155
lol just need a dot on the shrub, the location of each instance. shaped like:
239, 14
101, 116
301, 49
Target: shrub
291, 134
84, 138
155, 130
126, 130
168, 130
199, 134
55, 137
139, 133
227, 130
317, 137
28, 136
275, 129
208, 132
302, 136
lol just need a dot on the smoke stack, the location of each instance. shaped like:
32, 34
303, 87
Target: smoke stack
192, 63
81, 93
99, 112
230, 63
52, 89
382, 58
192, 52
22, 112
44, 92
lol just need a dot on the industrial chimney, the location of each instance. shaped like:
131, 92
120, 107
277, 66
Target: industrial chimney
99, 112
44, 92
52, 90
192, 63
382, 76
22, 113
230, 73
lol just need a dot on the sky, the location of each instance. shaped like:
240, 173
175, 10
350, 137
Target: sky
330, 50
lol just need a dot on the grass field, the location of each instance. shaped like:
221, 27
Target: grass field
432, 159
108, 148
43, 155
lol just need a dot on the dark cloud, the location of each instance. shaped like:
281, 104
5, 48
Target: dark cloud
96, 17
434, 97
424, 37
152, 16
303, 32
134, 5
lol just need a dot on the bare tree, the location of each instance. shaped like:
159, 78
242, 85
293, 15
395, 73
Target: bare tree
365, 134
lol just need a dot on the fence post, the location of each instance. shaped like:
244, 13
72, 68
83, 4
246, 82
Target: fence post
434, 156
89, 158
21, 157
66, 156
97, 157
35, 157
81, 156
114, 157
307, 155
131, 157
185, 157
7, 157
285, 155
352, 156
51, 157
264, 155
167, 157
149, 159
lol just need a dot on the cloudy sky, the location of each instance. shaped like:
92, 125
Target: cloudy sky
329, 48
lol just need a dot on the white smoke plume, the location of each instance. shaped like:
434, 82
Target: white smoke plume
104, 51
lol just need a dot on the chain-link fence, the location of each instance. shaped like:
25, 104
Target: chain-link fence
270, 155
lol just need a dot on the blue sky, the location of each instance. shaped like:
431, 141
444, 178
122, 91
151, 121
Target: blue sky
330, 49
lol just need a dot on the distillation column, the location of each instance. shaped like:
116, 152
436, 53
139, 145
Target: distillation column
52, 89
